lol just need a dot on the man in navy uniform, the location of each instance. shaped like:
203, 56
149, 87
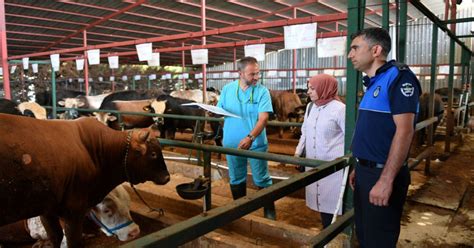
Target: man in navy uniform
382, 137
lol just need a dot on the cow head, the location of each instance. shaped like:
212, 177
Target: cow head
112, 214
104, 117
158, 107
72, 103
145, 160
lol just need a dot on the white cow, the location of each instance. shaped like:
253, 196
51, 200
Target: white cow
87, 102
112, 215
196, 95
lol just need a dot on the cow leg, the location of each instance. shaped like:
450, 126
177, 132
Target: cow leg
53, 228
73, 226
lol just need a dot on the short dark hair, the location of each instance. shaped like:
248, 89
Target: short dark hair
246, 61
376, 36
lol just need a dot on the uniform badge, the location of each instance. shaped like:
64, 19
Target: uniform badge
407, 89
376, 91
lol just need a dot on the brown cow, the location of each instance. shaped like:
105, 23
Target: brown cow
59, 169
286, 105
128, 121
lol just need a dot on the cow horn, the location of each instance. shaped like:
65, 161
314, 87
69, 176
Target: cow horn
143, 136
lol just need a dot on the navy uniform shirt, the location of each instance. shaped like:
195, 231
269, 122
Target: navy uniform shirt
393, 90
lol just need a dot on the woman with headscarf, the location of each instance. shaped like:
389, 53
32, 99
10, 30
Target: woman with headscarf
322, 138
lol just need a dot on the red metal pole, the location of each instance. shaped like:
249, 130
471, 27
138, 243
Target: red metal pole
235, 58
86, 69
294, 60
183, 65
203, 29
4, 51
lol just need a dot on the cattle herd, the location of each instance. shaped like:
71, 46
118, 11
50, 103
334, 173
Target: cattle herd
72, 169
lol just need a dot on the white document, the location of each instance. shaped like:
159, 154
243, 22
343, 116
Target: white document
91, 80
93, 56
300, 36
137, 77
12, 70
79, 64
124, 78
1, 70
80, 80
144, 51
331, 47
185, 75
199, 56
257, 51
152, 76
113, 62
198, 75
25, 63
112, 78
100, 79
213, 109
155, 60
168, 76
54, 61
35, 68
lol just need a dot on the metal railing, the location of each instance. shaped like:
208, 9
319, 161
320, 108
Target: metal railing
208, 221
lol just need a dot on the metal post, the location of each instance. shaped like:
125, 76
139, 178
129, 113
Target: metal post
402, 37
183, 80
133, 82
204, 73
4, 52
207, 175
385, 15
294, 60
450, 122
86, 69
235, 58
148, 83
53, 91
434, 56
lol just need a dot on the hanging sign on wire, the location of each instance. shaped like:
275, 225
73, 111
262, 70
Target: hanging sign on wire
257, 51
144, 51
113, 62
199, 56
331, 47
300, 36
93, 56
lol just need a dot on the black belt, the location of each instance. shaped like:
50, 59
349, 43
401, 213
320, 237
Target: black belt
370, 164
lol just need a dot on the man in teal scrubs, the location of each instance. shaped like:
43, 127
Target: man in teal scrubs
251, 101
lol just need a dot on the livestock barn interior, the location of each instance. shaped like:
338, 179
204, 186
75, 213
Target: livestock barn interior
117, 60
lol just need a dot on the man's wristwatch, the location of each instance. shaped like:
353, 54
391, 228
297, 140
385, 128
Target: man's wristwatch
252, 138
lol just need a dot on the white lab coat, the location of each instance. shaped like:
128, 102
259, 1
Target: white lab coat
323, 137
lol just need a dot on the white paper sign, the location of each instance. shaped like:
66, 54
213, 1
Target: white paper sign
1, 70
80, 80
100, 79
300, 36
93, 56
301, 73
329, 72
313, 73
152, 76
137, 77
199, 56
185, 75
163, 77
112, 78
54, 61
443, 69
198, 75
12, 70
79, 64
180, 76
113, 62
69, 80
272, 73
155, 60
25, 63
144, 51
124, 78
282, 73
330, 47
257, 51
91, 80
339, 73
168, 76
35, 68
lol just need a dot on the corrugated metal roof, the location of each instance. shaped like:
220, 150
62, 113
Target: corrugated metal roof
34, 25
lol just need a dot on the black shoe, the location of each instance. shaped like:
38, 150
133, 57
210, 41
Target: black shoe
269, 210
238, 190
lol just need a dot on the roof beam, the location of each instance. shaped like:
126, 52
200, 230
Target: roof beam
101, 20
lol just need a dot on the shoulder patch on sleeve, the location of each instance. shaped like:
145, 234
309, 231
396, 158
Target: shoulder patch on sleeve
407, 89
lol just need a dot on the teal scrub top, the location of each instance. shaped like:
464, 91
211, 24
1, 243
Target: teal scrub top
246, 104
